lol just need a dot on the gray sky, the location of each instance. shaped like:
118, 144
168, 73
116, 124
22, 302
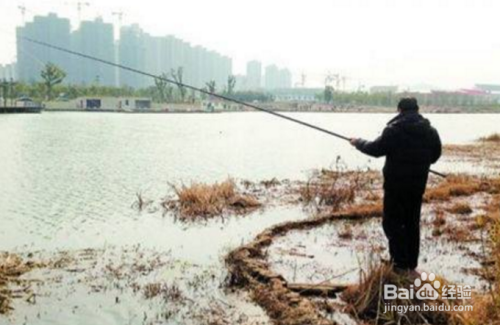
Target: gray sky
445, 43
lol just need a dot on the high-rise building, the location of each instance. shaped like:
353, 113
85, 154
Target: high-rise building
276, 78
8, 71
94, 38
285, 79
226, 68
132, 53
153, 58
31, 57
254, 75
241, 82
272, 77
135, 49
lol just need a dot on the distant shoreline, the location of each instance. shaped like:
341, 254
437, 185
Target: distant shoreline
358, 110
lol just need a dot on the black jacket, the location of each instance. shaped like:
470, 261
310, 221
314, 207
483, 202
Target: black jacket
410, 145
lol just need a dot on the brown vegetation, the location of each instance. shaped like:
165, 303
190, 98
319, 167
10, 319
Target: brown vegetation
334, 189
460, 208
484, 152
209, 200
169, 293
461, 185
346, 232
366, 301
487, 307
248, 268
11, 268
495, 137
439, 219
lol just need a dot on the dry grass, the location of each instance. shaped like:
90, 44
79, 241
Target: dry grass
346, 232
484, 152
459, 234
438, 222
439, 219
270, 183
460, 208
460, 185
11, 268
487, 307
366, 301
495, 137
170, 293
332, 189
209, 200
140, 203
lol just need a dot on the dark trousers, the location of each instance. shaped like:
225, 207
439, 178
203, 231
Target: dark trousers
401, 223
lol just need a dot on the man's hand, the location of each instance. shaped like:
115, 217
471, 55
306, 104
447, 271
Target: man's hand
354, 141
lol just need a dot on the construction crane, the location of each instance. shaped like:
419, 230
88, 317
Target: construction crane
302, 82
119, 14
23, 10
336, 79
79, 6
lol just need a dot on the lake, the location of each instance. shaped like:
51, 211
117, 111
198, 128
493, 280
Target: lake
68, 180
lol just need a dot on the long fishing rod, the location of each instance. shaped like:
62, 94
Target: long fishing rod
200, 90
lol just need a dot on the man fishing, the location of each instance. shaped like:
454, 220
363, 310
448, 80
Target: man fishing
410, 145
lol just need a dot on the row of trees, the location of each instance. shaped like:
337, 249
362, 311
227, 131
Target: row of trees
388, 99
51, 77
169, 87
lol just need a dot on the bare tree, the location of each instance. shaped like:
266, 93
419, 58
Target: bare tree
178, 78
231, 84
211, 86
163, 88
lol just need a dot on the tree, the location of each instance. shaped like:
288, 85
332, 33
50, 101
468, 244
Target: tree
9, 91
178, 78
328, 94
231, 84
52, 75
162, 88
211, 86
4, 85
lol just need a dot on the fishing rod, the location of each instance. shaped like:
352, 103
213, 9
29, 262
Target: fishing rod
200, 90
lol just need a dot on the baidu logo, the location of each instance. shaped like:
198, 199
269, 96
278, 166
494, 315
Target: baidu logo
427, 287
424, 288
427, 290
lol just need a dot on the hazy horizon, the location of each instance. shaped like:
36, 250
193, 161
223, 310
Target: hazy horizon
372, 42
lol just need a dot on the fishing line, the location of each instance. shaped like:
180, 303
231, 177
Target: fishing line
200, 90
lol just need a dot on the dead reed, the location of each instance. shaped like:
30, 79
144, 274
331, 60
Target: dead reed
461, 185
209, 200
487, 306
366, 300
11, 268
495, 137
346, 232
460, 208
333, 189
169, 293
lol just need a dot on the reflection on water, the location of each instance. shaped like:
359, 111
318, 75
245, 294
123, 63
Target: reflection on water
67, 180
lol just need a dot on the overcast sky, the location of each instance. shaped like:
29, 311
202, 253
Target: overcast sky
448, 44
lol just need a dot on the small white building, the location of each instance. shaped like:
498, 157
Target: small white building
113, 103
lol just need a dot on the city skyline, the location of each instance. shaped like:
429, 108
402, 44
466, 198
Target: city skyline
400, 42
135, 48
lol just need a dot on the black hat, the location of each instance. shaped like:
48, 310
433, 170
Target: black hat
408, 104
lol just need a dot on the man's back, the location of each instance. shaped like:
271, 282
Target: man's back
411, 145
